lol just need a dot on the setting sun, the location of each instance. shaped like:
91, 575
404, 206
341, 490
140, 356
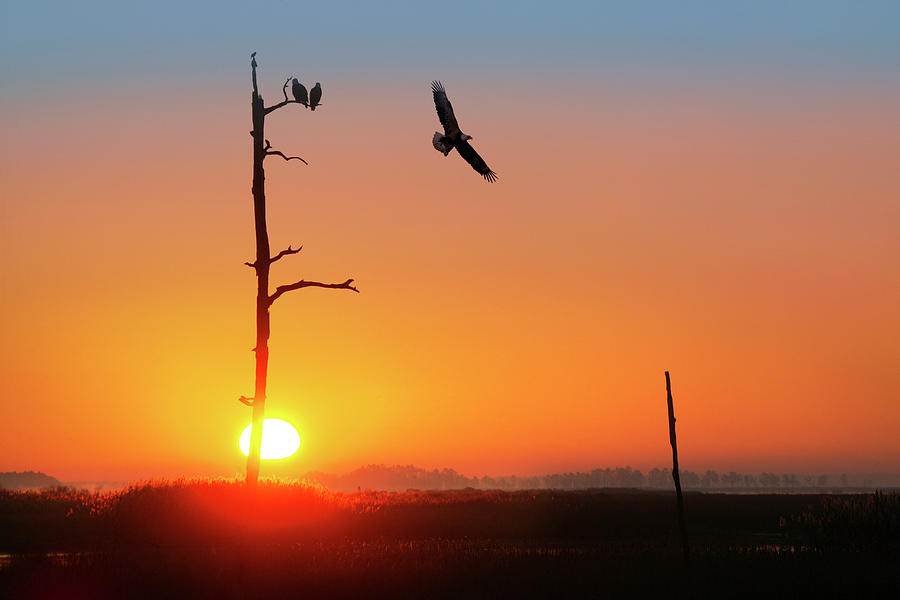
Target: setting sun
280, 439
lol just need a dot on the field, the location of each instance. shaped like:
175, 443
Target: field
213, 539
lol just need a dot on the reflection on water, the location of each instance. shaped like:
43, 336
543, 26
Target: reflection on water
497, 548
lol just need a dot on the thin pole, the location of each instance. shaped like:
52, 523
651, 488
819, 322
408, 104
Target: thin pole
675, 476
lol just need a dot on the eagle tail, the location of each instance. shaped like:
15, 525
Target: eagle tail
440, 143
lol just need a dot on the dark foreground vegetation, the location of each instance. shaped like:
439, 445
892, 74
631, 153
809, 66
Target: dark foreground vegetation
214, 539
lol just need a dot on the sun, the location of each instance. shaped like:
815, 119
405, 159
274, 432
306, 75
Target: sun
279, 439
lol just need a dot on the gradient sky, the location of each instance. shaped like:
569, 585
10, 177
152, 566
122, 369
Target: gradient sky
707, 189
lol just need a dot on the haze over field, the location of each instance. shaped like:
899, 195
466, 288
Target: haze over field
706, 189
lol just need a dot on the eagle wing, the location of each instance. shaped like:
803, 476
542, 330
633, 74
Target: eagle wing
444, 109
472, 157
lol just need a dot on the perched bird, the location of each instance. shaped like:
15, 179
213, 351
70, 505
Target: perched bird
299, 92
315, 96
453, 137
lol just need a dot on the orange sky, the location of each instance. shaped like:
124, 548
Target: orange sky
745, 241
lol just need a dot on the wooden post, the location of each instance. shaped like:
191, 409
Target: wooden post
675, 476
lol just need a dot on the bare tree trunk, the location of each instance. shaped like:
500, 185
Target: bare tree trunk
262, 287
261, 149
680, 499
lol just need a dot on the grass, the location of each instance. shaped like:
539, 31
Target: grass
213, 538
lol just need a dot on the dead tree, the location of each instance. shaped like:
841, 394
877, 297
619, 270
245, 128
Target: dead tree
262, 149
675, 476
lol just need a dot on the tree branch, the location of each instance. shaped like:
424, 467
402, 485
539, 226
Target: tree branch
284, 88
281, 254
246, 400
281, 289
275, 107
281, 154
285, 253
270, 152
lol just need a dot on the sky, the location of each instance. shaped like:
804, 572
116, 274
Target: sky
705, 188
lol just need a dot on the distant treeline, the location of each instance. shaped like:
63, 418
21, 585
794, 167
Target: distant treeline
404, 477
26, 480
408, 477
662, 478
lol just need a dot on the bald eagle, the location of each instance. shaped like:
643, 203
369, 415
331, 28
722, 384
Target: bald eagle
315, 96
453, 137
299, 92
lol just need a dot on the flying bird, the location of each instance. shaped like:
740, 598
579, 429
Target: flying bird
315, 96
299, 92
453, 137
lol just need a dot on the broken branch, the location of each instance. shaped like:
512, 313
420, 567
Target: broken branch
281, 289
289, 250
282, 155
284, 89
285, 253
246, 400
270, 152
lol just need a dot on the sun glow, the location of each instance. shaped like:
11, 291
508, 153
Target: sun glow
279, 439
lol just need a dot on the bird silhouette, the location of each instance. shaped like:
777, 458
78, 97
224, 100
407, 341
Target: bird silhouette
315, 96
299, 92
453, 137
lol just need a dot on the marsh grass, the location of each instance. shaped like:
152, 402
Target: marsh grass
214, 538
862, 523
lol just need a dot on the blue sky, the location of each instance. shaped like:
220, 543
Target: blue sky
87, 43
